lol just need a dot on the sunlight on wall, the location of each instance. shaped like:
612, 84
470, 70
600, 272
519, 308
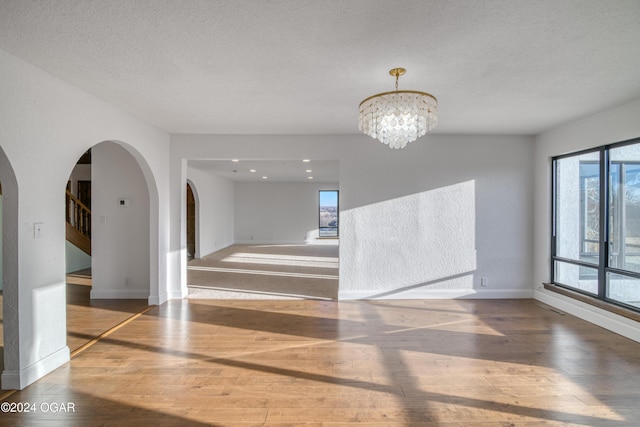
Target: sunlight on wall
49, 312
424, 240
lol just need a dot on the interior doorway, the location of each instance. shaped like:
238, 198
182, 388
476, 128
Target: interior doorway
191, 223
107, 214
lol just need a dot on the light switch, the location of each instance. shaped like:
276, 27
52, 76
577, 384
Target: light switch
37, 230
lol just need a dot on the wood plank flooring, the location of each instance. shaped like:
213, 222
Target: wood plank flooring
446, 363
87, 318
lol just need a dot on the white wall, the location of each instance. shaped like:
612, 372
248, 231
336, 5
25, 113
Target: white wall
214, 211
613, 125
120, 233
75, 258
461, 201
45, 126
432, 220
277, 212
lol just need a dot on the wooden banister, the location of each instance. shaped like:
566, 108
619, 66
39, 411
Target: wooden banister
78, 217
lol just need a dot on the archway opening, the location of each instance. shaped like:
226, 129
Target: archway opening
107, 242
263, 229
191, 223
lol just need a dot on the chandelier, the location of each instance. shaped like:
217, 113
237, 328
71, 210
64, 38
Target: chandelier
399, 117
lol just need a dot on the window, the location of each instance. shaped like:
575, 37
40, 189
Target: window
328, 213
595, 241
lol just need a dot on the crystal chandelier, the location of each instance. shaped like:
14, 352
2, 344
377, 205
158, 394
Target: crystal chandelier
399, 117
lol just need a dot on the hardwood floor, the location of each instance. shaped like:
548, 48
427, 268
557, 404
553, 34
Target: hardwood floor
86, 318
447, 363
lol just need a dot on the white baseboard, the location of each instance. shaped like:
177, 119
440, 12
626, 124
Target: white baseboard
210, 251
178, 293
18, 380
605, 319
120, 294
157, 299
437, 294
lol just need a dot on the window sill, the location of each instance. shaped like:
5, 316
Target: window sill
612, 308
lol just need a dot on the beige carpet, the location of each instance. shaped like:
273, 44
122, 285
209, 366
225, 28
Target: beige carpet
266, 272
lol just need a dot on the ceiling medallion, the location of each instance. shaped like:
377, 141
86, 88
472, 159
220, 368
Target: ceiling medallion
399, 117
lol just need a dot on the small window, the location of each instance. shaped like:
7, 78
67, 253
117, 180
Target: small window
328, 213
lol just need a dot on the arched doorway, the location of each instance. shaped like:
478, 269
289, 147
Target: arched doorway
191, 223
83, 324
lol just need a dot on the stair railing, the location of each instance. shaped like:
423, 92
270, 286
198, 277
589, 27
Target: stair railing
78, 215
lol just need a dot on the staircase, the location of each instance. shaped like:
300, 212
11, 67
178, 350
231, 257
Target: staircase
78, 217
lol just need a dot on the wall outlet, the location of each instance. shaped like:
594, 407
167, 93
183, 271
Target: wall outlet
127, 281
484, 282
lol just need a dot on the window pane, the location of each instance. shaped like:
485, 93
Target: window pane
578, 207
624, 208
578, 277
328, 213
623, 289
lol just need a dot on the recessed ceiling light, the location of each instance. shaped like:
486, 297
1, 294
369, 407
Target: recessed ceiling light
306, 160
235, 160
252, 170
310, 177
309, 170
264, 177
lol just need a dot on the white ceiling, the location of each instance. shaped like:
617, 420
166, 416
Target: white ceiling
303, 66
271, 170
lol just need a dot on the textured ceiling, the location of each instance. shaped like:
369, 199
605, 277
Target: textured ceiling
302, 67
